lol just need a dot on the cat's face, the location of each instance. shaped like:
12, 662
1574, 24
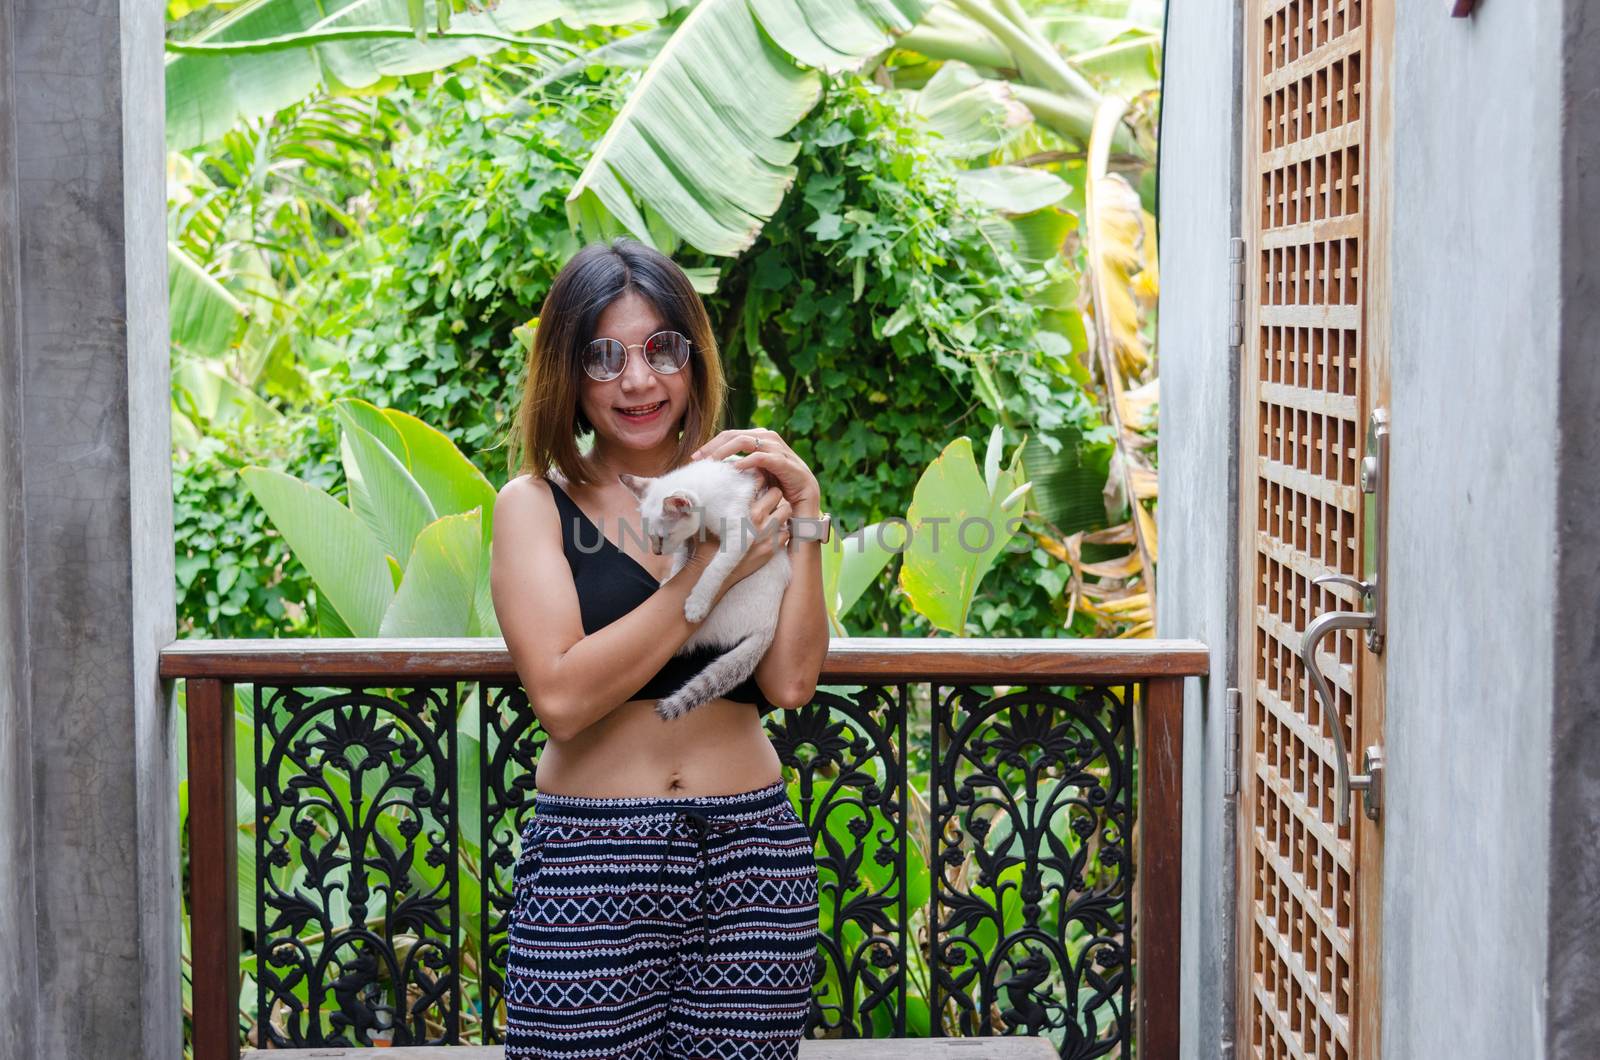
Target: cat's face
671, 516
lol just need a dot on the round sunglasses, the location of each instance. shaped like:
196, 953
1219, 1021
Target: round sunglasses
666, 352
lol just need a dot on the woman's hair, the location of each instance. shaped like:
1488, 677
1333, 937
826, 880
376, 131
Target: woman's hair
550, 417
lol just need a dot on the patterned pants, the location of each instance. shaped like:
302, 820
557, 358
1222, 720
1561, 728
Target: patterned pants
662, 929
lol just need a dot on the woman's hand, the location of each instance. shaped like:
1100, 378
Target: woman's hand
769, 514
701, 549
774, 457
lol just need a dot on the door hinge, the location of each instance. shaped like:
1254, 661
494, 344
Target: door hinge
1230, 768
1235, 293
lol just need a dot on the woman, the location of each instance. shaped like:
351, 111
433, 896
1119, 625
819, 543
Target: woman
665, 897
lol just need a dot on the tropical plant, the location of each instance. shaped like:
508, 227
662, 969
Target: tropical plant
1119, 590
1014, 91
874, 314
258, 222
1012, 58
409, 556
266, 55
648, 177
638, 180
271, 53
235, 576
465, 232
940, 580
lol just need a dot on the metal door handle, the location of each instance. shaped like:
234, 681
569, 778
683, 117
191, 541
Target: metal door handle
1370, 782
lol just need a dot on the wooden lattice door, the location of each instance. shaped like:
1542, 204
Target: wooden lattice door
1313, 368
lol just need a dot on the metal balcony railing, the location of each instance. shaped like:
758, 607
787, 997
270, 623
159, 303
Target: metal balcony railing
997, 823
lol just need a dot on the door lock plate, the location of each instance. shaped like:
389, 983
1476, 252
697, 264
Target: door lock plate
1372, 795
1375, 524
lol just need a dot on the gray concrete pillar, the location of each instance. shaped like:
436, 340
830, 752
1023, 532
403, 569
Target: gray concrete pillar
88, 807
1198, 513
1572, 969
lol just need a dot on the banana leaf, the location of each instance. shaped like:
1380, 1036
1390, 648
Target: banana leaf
341, 554
697, 153
943, 563
268, 54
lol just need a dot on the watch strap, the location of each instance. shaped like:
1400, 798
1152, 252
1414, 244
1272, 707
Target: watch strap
817, 528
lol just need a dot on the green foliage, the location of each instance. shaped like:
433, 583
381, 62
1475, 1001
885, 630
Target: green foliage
395, 279
235, 576
466, 233
879, 315
960, 520
362, 275
267, 55
876, 319
267, 212
408, 557
720, 53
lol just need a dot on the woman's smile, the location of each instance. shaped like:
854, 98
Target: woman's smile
648, 413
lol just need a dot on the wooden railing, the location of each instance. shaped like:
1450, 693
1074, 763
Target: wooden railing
1012, 761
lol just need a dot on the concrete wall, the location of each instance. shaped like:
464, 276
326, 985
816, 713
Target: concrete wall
19, 975
1573, 968
1491, 900
1199, 386
1475, 340
88, 807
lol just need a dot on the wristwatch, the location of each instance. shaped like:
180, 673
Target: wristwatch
811, 528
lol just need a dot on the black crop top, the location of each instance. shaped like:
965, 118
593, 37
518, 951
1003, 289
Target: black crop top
611, 583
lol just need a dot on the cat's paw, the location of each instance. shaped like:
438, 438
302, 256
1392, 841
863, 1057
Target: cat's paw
696, 608
670, 708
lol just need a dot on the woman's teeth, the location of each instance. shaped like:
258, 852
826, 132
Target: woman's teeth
641, 411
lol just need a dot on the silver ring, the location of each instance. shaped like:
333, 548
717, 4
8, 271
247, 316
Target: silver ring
758, 443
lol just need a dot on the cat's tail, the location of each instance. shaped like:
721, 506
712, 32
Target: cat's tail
721, 674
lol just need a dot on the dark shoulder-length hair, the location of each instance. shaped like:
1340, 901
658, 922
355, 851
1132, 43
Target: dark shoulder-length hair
549, 416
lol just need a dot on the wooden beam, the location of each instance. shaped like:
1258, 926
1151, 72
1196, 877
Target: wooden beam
1007, 1048
213, 871
999, 660
1160, 872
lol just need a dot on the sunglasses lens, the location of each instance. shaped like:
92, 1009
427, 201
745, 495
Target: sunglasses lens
603, 359
667, 351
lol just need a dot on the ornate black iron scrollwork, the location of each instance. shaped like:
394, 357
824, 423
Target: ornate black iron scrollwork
974, 882
511, 738
356, 855
1032, 817
845, 756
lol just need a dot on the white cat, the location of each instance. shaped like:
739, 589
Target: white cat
716, 495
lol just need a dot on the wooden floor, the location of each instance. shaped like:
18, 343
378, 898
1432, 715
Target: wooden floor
878, 1049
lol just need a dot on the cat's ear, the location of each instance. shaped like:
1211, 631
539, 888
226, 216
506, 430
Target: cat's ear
677, 504
636, 485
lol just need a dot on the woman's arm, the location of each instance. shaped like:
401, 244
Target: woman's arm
574, 680
788, 673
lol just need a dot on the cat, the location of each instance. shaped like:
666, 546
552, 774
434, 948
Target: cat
715, 495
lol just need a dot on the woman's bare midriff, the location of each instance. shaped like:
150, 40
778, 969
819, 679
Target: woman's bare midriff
718, 748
